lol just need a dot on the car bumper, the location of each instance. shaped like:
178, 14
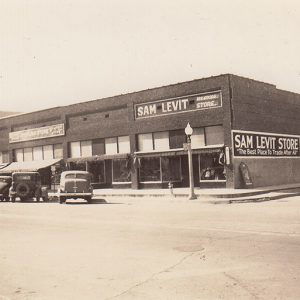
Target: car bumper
74, 194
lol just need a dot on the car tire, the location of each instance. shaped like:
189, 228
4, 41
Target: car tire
12, 199
62, 200
89, 200
23, 190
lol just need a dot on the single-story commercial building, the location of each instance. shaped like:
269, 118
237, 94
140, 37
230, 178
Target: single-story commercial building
245, 133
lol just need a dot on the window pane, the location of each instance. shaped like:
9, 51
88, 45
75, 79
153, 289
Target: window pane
28, 154
124, 144
177, 138
150, 169
38, 153
161, 140
75, 149
111, 146
19, 155
97, 170
145, 142
5, 157
198, 138
211, 167
98, 147
86, 148
171, 168
121, 170
214, 135
58, 151
48, 151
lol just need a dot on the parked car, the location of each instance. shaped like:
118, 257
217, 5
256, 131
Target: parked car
26, 186
75, 185
5, 183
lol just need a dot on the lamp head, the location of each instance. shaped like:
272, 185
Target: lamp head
188, 129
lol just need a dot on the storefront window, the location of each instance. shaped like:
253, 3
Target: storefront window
48, 151
212, 167
58, 151
121, 170
75, 149
38, 153
214, 135
97, 169
171, 168
27, 154
161, 140
145, 142
111, 146
124, 144
150, 169
19, 155
197, 138
4, 157
86, 148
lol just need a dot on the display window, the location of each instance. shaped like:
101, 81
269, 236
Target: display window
171, 169
160, 169
121, 171
97, 169
212, 167
150, 169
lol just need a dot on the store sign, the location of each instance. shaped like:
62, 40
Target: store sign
178, 105
260, 144
37, 133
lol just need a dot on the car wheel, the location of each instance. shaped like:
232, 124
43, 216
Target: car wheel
62, 200
23, 190
45, 199
89, 200
12, 199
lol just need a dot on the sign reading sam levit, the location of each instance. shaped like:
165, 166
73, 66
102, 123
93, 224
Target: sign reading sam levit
178, 105
262, 144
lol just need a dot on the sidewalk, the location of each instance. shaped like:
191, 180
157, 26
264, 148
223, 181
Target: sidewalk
204, 195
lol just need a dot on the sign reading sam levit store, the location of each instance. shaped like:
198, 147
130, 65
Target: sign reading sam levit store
262, 144
178, 105
37, 133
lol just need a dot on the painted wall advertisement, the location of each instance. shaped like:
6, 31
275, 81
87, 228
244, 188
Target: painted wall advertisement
37, 133
261, 144
177, 105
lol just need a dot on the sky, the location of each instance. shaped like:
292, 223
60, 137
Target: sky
60, 52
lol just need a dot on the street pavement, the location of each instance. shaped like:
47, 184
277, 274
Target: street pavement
150, 249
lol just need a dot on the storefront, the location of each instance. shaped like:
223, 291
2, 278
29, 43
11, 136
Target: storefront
137, 140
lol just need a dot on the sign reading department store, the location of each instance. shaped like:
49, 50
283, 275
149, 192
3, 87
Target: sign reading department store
178, 105
263, 144
37, 133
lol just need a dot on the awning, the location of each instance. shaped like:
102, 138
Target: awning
97, 158
180, 151
29, 166
3, 165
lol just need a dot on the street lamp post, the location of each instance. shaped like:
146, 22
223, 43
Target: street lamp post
189, 131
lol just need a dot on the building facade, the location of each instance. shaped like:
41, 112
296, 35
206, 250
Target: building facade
245, 133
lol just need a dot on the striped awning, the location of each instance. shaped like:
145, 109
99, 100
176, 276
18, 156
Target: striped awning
28, 166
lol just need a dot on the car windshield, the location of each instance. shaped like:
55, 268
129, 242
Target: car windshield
4, 179
23, 177
77, 176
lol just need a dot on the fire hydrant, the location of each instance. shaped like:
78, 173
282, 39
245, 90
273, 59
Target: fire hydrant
170, 186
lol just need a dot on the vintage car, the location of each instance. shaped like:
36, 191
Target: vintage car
26, 186
75, 185
5, 183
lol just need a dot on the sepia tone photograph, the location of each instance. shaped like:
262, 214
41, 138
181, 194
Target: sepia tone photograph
149, 149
